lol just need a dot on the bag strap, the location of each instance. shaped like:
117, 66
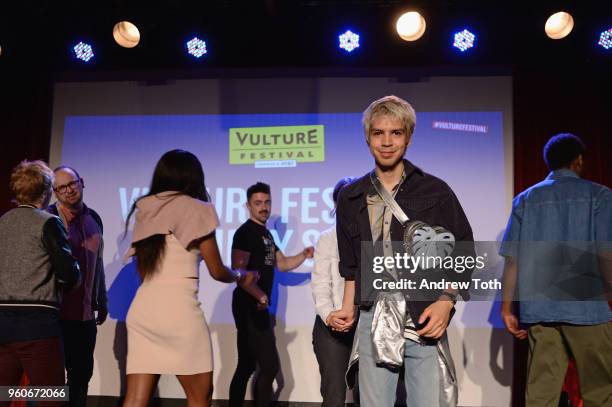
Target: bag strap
389, 200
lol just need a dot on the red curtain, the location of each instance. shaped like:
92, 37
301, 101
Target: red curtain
22, 382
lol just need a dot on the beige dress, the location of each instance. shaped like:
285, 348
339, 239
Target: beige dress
167, 331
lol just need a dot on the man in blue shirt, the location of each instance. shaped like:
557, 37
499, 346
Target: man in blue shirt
557, 249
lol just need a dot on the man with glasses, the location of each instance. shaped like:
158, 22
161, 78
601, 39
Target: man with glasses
77, 313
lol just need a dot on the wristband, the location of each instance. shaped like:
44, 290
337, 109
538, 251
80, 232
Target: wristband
452, 296
237, 276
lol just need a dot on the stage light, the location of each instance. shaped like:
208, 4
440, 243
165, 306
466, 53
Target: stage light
559, 25
464, 40
126, 34
83, 51
349, 41
196, 47
605, 39
410, 26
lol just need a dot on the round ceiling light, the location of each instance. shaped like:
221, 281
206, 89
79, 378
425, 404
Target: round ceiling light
410, 26
126, 34
559, 25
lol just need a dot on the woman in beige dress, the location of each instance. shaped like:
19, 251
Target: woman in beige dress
167, 332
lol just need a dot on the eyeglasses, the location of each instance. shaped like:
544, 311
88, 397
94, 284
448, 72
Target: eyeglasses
62, 189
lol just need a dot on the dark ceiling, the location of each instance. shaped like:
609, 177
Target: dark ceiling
296, 33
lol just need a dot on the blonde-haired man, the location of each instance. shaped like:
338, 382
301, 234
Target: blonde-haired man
35, 265
363, 216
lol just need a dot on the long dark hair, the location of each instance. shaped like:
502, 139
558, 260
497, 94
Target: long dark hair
176, 170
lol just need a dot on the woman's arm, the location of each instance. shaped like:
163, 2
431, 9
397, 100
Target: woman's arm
210, 253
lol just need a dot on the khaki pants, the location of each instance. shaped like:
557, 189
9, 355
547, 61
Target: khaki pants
550, 348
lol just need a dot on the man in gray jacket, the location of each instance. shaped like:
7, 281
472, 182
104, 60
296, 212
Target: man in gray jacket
36, 265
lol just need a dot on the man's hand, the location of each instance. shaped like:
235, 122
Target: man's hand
262, 303
286, 263
341, 320
509, 281
308, 252
102, 314
512, 324
438, 314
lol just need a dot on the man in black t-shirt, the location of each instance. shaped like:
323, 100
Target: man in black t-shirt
254, 249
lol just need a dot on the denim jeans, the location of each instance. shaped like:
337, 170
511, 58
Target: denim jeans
378, 384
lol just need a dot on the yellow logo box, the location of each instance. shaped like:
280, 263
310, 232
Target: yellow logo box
248, 145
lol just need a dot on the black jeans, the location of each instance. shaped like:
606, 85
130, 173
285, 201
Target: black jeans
333, 350
256, 349
79, 343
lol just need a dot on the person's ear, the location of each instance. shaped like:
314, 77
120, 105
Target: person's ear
82, 183
580, 159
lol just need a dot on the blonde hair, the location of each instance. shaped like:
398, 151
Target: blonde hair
30, 181
390, 106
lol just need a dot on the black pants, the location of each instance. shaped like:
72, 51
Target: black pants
79, 343
333, 350
256, 349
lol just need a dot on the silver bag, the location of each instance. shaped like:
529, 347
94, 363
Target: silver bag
388, 329
449, 390
429, 241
